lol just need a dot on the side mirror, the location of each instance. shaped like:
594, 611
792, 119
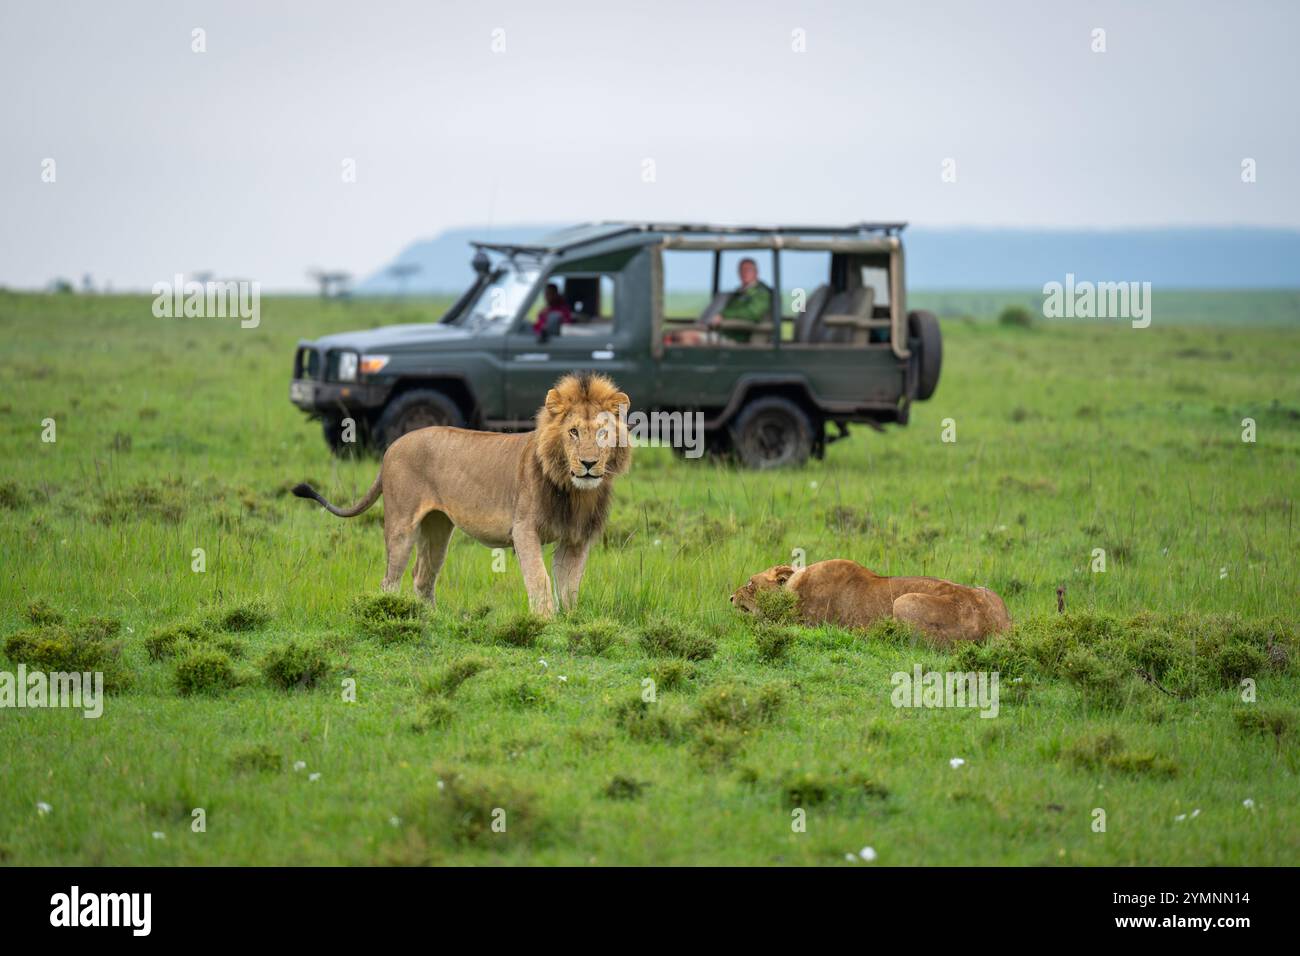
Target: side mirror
481, 263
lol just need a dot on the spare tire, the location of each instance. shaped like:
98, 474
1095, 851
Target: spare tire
924, 328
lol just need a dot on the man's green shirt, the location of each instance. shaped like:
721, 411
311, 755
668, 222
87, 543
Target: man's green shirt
753, 304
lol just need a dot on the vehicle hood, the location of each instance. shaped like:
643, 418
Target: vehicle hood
395, 337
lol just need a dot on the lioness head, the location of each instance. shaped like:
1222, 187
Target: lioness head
582, 438
746, 596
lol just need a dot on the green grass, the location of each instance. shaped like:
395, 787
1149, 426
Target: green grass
232, 684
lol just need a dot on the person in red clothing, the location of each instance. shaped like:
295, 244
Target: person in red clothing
554, 311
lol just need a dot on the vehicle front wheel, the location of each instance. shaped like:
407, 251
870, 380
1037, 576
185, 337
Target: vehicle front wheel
346, 438
772, 432
409, 411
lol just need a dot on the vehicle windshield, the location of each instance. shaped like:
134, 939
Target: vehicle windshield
500, 299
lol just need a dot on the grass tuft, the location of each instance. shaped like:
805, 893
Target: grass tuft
462, 811
1104, 750
521, 630
294, 665
390, 618
592, 637
204, 672
448, 681
624, 788
241, 618
774, 640
810, 788
60, 649
1275, 722
256, 758
43, 614
667, 637
776, 606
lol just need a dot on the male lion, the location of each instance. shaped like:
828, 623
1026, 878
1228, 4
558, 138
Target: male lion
846, 594
507, 491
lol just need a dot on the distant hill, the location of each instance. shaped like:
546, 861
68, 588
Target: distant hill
1202, 258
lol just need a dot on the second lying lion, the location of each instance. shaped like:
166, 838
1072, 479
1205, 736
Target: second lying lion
846, 594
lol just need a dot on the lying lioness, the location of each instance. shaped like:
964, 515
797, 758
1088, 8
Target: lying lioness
507, 491
846, 594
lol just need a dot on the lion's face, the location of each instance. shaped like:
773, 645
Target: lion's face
746, 597
582, 439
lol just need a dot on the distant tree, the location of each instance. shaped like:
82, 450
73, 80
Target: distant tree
401, 272
333, 285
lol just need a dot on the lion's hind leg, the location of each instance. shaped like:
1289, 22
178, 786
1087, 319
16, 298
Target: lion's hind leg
435, 534
399, 540
933, 616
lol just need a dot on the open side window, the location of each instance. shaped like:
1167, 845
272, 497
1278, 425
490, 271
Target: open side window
578, 299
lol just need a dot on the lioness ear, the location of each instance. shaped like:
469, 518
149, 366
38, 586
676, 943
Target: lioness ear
554, 403
617, 400
783, 573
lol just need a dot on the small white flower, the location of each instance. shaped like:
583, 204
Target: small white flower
313, 777
812, 484
130, 630
1017, 680
441, 785
1223, 572
867, 853
956, 762
563, 679
1164, 551
1180, 818
394, 821
299, 765
43, 808
1196, 813
159, 835
543, 663
1248, 803
850, 857
658, 542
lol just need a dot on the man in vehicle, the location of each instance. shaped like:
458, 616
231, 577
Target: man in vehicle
752, 302
554, 312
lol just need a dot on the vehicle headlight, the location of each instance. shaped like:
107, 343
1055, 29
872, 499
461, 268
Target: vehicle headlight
370, 364
348, 366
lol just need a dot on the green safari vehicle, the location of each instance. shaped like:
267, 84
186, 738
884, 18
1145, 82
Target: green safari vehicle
829, 343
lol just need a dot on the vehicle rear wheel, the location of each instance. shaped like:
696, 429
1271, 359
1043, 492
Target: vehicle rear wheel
409, 411
772, 432
924, 326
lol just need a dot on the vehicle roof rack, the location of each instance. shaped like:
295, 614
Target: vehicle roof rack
586, 233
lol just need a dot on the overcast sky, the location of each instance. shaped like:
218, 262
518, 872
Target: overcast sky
232, 160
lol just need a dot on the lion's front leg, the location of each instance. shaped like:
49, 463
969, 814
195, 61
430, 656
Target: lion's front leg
536, 581
570, 562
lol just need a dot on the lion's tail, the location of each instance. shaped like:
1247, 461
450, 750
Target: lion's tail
307, 491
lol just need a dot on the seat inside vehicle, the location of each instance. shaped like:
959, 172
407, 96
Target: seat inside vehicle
849, 314
718, 303
807, 320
